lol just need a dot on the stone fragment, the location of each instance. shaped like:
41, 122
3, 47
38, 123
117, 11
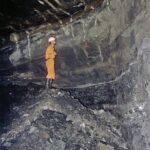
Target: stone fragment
101, 146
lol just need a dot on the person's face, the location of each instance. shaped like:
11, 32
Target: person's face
54, 42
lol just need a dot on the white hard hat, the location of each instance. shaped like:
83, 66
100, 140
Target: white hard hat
51, 39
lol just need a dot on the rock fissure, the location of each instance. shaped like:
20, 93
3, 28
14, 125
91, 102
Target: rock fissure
101, 95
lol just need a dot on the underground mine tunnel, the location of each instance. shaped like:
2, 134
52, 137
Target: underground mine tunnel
100, 98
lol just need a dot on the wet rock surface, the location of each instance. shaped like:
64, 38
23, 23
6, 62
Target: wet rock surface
18, 16
101, 94
11, 95
61, 119
92, 48
57, 121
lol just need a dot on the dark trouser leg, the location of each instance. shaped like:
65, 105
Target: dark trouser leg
51, 81
47, 83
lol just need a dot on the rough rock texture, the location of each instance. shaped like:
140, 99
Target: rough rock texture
55, 121
91, 48
17, 16
103, 67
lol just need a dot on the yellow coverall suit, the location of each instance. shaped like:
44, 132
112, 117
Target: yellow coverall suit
50, 56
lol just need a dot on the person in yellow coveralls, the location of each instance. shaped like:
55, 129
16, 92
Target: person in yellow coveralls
50, 61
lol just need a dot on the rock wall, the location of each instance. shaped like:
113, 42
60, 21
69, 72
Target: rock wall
57, 120
91, 48
103, 61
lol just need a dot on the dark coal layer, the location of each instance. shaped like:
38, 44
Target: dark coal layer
14, 95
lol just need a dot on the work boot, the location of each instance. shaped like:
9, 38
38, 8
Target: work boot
50, 83
47, 84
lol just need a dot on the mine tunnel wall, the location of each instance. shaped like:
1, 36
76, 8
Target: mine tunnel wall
103, 61
96, 53
91, 49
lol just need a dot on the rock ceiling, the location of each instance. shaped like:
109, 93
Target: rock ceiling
16, 15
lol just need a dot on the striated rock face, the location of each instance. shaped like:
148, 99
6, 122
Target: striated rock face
95, 47
17, 16
54, 120
102, 91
